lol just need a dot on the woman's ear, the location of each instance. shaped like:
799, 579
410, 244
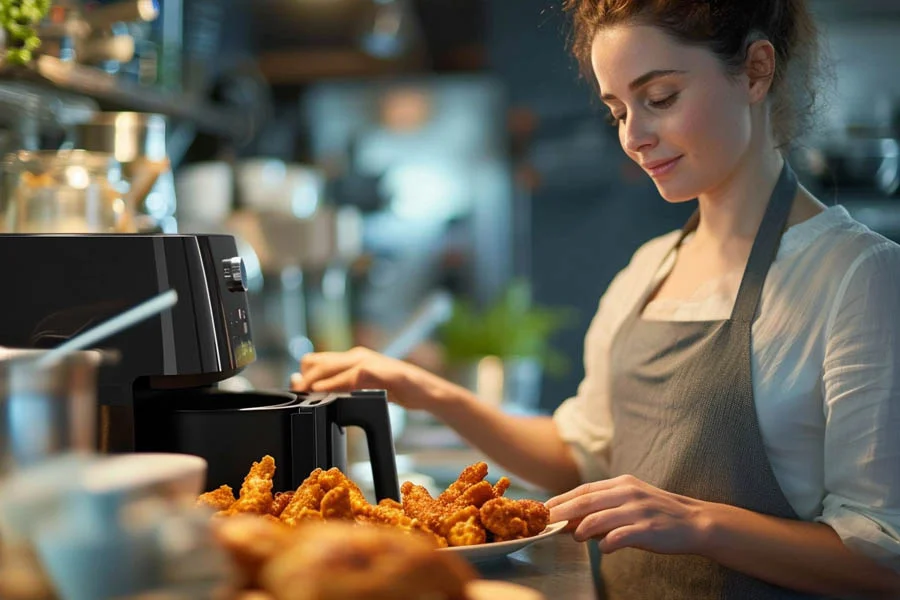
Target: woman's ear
760, 69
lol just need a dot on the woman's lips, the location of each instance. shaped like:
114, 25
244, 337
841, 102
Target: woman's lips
661, 167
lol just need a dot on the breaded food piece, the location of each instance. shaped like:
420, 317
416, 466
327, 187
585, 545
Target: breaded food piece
390, 512
339, 561
475, 495
280, 502
218, 499
514, 519
464, 528
467, 478
250, 542
336, 504
501, 486
256, 491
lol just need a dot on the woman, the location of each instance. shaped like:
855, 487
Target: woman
737, 421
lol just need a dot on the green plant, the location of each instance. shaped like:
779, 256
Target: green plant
511, 327
19, 19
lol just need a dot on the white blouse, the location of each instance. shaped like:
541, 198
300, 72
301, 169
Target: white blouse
826, 372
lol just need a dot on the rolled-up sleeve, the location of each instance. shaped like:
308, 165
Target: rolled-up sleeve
862, 408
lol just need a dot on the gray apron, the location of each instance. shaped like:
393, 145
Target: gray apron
685, 421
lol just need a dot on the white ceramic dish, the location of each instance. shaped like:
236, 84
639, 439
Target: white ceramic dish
483, 552
168, 475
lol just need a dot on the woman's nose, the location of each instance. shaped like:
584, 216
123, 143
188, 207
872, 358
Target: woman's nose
637, 134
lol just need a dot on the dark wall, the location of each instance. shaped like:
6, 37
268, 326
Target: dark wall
589, 208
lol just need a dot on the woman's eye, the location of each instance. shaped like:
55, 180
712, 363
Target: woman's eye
614, 119
664, 102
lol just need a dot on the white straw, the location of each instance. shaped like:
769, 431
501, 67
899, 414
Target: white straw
130, 317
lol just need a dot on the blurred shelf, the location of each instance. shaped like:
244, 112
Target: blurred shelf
858, 10
49, 74
300, 66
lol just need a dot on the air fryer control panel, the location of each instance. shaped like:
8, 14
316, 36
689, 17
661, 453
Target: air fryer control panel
228, 289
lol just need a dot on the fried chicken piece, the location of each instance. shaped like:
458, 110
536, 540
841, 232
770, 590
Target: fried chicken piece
256, 491
304, 515
391, 503
251, 542
514, 519
280, 502
467, 478
459, 524
336, 504
390, 512
501, 486
475, 495
218, 499
338, 561
307, 499
418, 504
333, 478
463, 528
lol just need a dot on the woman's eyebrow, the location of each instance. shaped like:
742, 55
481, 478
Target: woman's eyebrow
645, 79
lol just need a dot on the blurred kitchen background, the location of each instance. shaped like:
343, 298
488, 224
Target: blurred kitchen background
426, 177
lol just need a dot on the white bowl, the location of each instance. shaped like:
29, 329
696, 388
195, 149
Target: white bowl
174, 476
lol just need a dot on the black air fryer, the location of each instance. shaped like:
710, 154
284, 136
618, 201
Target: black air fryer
161, 394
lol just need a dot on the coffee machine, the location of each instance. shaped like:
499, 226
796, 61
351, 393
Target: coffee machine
160, 393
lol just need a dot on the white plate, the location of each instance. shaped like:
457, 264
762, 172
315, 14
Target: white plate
494, 550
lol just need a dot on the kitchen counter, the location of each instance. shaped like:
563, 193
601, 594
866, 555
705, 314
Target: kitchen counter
558, 567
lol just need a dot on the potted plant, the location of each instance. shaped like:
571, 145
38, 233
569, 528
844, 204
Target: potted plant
502, 351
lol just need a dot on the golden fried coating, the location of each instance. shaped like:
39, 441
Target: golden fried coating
390, 512
470, 511
280, 502
475, 495
418, 504
250, 542
469, 477
218, 499
463, 528
514, 519
338, 561
501, 486
336, 504
256, 491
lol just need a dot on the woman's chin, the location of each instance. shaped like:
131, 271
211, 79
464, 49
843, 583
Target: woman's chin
674, 194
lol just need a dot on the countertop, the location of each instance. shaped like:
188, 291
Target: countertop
557, 566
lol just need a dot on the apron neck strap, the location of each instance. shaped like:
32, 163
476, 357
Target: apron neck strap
765, 246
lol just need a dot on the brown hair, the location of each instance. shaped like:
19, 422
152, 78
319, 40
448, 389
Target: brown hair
726, 28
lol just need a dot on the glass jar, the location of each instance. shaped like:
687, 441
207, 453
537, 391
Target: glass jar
66, 191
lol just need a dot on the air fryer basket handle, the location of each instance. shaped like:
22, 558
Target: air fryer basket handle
371, 414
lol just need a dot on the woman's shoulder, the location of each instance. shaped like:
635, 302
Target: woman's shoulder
835, 238
652, 252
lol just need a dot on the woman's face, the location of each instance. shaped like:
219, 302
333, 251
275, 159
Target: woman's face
680, 116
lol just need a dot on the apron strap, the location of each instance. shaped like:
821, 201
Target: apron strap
765, 246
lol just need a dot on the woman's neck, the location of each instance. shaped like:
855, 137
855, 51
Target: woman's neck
732, 211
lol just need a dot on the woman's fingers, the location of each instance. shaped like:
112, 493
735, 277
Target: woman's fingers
628, 536
581, 506
599, 524
346, 381
297, 383
321, 365
594, 486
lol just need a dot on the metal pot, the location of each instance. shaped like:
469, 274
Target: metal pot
46, 411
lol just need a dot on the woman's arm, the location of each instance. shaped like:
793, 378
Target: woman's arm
808, 557
626, 512
530, 447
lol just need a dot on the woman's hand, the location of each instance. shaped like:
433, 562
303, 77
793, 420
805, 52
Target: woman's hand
625, 512
361, 368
